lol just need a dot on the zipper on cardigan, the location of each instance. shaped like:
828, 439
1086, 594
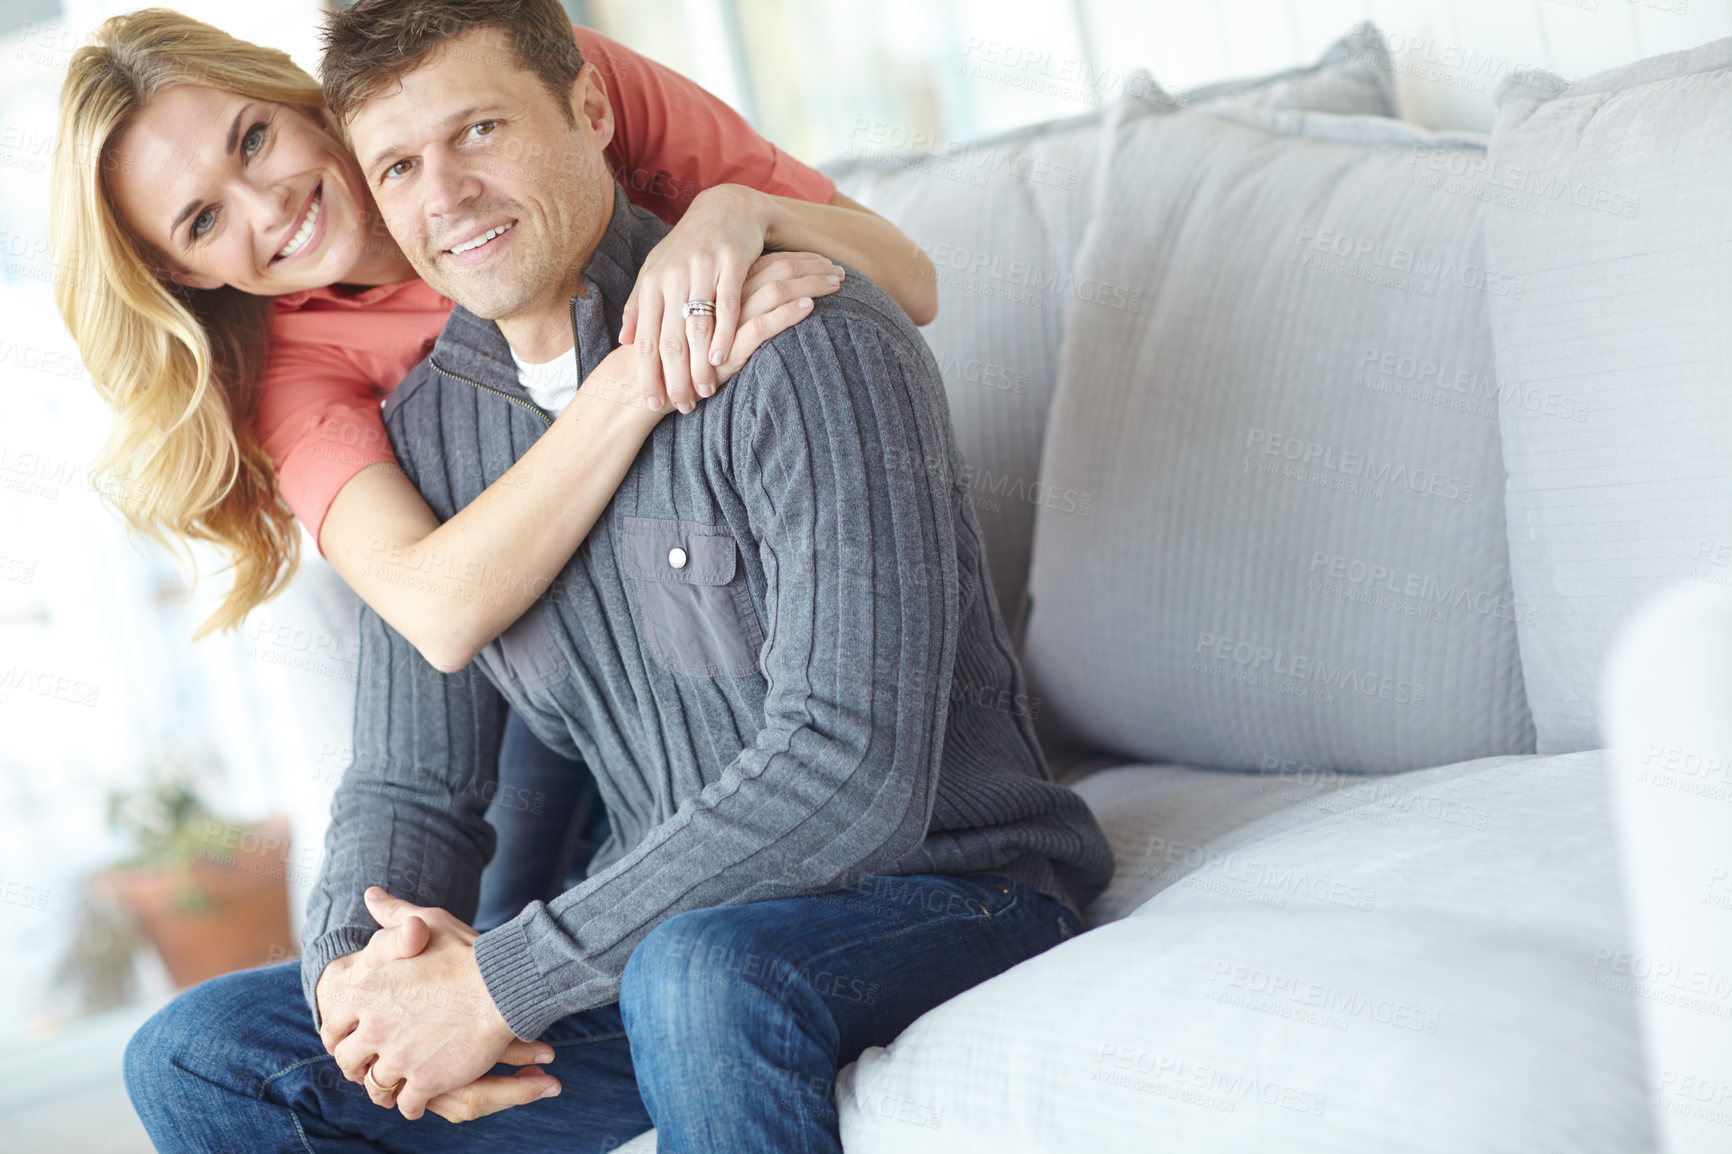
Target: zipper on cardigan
518, 401
571, 311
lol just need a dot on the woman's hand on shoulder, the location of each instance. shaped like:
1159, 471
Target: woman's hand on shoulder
715, 253
778, 294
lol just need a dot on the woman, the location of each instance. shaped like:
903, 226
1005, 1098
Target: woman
246, 339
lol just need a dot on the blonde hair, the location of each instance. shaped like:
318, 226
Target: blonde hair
178, 366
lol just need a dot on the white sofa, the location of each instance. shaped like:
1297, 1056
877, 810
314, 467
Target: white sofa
1321, 458
1667, 689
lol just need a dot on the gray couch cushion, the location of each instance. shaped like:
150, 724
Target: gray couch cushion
1166, 822
1003, 219
1616, 364
1377, 979
1354, 77
1272, 526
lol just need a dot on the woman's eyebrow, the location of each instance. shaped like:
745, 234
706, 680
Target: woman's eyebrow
191, 207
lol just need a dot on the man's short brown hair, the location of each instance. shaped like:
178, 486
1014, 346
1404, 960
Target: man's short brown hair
370, 47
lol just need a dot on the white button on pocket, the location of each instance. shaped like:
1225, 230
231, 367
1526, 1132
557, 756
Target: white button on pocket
694, 606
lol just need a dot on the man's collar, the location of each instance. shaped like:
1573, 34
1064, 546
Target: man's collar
626, 244
475, 348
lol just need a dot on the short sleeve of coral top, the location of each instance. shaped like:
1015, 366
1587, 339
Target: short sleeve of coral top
336, 355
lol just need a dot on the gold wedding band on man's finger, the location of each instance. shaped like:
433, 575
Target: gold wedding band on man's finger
373, 1085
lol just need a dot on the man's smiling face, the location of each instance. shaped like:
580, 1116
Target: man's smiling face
496, 197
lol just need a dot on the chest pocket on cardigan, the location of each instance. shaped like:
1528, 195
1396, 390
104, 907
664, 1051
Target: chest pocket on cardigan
694, 609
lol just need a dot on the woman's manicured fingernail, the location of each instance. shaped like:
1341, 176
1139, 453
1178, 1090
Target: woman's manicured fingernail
716, 357
832, 281
655, 403
705, 390
805, 302
685, 406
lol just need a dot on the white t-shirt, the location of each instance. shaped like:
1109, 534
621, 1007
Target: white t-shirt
551, 385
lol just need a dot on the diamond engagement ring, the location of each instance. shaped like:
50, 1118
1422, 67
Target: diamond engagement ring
699, 309
373, 1084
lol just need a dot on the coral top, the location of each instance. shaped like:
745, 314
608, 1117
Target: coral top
336, 355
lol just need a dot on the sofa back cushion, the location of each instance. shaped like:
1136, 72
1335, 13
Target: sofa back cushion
1271, 529
1003, 220
1615, 364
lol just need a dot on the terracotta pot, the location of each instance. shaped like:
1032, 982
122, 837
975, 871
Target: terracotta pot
223, 912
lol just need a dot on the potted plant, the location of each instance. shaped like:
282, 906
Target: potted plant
210, 893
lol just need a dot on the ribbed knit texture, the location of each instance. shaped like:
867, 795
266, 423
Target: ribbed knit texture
884, 730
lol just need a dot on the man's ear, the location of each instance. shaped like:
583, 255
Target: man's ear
194, 280
591, 106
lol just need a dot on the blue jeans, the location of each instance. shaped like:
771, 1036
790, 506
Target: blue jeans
727, 1036
550, 821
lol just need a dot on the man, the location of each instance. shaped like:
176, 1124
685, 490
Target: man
778, 649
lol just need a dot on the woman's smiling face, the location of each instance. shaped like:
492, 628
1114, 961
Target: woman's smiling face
242, 192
